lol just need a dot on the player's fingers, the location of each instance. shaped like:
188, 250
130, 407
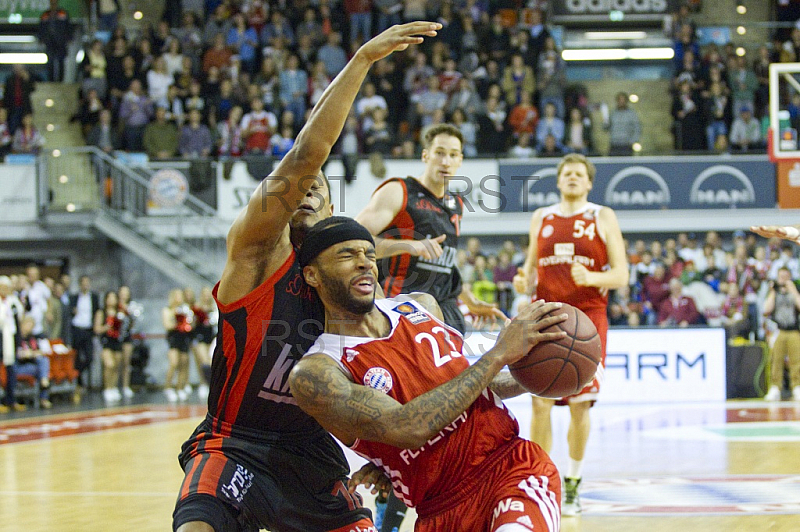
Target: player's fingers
440, 239
550, 337
548, 321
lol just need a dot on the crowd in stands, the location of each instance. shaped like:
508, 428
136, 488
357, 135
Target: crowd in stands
237, 78
676, 282
40, 319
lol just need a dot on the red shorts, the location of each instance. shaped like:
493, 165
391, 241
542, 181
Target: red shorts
590, 391
522, 488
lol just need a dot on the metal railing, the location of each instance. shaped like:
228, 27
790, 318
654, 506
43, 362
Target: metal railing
84, 178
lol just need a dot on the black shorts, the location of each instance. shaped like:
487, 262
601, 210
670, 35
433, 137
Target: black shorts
114, 344
452, 315
180, 341
287, 483
204, 334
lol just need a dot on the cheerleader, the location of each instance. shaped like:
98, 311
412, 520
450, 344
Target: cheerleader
108, 326
205, 317
178, 320
129, 313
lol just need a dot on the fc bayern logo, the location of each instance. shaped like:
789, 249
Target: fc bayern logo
379, 379
168, 188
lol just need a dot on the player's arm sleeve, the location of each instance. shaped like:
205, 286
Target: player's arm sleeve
529, 268
351, 411
382, 208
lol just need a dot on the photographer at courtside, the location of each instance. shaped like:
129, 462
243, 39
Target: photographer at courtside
782, 306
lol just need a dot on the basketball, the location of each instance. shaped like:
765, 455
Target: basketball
560, 368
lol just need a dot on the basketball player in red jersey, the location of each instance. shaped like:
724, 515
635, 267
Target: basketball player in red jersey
576, 254
257, 460
416, 222
388, 379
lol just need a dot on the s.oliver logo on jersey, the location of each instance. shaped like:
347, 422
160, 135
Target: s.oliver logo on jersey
378, 378
722, 184
637, 186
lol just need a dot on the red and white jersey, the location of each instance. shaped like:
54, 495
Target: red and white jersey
564, 240
419, 354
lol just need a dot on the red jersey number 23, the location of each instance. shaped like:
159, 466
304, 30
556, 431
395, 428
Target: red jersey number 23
438, 359
581, 229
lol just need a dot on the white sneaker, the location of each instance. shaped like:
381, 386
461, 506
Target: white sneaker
774, 394
171, 395
796, 393
111, 395
127, 393
187, 389
182, 395
202, 392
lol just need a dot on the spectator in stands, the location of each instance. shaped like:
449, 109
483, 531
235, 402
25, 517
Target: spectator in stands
487, 76
229, 134
687, 112
318, 81
144, 55
135, 112
551, 147
5, 135
378, 137
787, 260
389, 13
54, 315
31, 361
523, 116
55, 32
416, 76
491, 128
294, 87
621, 304
538, 34
685, 42
195, 139
107, 13
717, 114
481, 283
224, 101
17, 96
503, 276
27, 138
189, 36
522, 149
549, 124
83, 306
551, 77
743, 83
368, 102
349, 148
278, 29
469, 130
310, 28
624, 127
173, 58
495, 40
690, 273
465, 98
282, 142
161, 137
359, 12
94, 67
746, 131
89, 109
517, 78
218, 24
104, 135
578, 137
218, 55
173, 104
120, 83
245, 41
258, 127
429, 101
689, 73
734, 312
158, 81
655, 290
677, 310
11, 311
333, 55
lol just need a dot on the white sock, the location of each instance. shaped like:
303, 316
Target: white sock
575, 468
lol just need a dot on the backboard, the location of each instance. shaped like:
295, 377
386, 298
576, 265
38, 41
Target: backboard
784, 111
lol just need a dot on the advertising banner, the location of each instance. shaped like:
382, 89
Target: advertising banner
17, 193
33, 9
611, 10
648, 184
651, 365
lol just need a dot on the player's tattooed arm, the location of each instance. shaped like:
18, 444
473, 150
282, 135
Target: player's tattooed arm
505, 387
350, 411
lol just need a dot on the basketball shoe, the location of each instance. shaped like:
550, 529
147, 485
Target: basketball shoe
774, 394
572, 500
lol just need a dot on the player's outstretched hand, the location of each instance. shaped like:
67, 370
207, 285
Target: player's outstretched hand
429, 248
485, 314
769, 231
525, 331
397, 38
372, 478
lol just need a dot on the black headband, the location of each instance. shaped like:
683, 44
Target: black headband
329, 232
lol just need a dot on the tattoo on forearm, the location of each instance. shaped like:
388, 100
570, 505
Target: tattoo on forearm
505, 387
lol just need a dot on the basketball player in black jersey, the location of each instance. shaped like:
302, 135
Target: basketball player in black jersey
257, 460
416, 223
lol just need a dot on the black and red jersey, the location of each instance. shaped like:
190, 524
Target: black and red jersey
261, 337
423, 215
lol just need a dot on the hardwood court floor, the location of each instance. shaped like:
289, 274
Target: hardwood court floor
685, 467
